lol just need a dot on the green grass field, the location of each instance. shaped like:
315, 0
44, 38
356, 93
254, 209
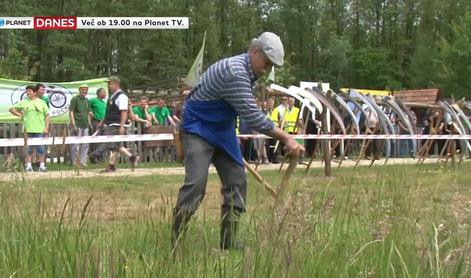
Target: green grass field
388, 221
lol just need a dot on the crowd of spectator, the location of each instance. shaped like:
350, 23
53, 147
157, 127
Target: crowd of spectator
98, 115
114, 114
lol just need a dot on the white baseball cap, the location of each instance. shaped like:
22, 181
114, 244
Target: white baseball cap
272, 46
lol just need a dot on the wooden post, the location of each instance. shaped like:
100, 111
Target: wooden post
64, 146
326, 145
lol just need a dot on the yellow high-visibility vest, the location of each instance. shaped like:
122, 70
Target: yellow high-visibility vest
273, 116
291, 116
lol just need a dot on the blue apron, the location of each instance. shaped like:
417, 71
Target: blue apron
214, 121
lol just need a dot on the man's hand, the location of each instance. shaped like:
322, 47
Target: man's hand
121, 130
46, 132
294, 148
74, 129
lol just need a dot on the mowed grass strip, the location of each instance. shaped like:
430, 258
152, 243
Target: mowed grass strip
385, 221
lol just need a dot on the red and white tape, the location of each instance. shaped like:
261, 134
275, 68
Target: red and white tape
16, 142
366, 136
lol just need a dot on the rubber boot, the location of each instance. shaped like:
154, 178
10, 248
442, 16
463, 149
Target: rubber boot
229, 225
179, 225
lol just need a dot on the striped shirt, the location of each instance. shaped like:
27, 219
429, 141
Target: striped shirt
232, 80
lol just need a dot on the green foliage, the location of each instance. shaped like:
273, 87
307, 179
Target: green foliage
456, 61
380, 44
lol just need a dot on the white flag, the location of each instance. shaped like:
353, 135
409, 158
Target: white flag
196, 71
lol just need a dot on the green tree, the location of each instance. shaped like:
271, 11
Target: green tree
456, 59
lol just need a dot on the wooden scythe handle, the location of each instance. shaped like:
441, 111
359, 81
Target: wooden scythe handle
260, 179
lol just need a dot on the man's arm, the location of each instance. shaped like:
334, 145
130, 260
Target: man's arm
89, 114
71, 112
293, 147
91, 106
170, 119
46, 129
122, 122
139, 120
154, 119
148, 115
134, 117
176, 119
300, 124
123, 105
16, 112
241, 98
72, 118
17, 109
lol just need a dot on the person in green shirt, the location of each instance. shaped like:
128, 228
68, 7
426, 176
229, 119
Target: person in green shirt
40, 89
35, 115
160, 113
98, 111
141, 112
80, 121
98, 107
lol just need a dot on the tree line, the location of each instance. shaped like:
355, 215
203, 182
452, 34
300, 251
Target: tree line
376, 44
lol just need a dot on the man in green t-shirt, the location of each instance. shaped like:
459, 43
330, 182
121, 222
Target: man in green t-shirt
40, 90
80, 121
98, 107
35, 115
160, 113
98, 111
141, 112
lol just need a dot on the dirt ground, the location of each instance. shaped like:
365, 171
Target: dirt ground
85, 173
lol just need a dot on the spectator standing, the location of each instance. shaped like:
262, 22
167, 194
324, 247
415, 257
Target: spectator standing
98, 108
35, 115
259, 143
273, 115
161, 114
141, 112
80, 122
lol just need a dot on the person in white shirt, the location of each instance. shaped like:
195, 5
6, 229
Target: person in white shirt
115, 123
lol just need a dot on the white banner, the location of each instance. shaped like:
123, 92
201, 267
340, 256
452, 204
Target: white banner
15, 142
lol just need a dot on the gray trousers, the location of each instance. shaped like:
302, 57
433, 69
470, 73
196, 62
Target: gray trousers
74, 148
198, 156
111, 146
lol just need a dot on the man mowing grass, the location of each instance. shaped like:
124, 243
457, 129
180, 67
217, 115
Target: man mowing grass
225, 91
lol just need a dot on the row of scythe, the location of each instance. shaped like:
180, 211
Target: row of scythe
346, 108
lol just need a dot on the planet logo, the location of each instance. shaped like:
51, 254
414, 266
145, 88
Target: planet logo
2, 22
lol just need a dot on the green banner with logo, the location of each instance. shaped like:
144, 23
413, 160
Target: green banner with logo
59, 94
